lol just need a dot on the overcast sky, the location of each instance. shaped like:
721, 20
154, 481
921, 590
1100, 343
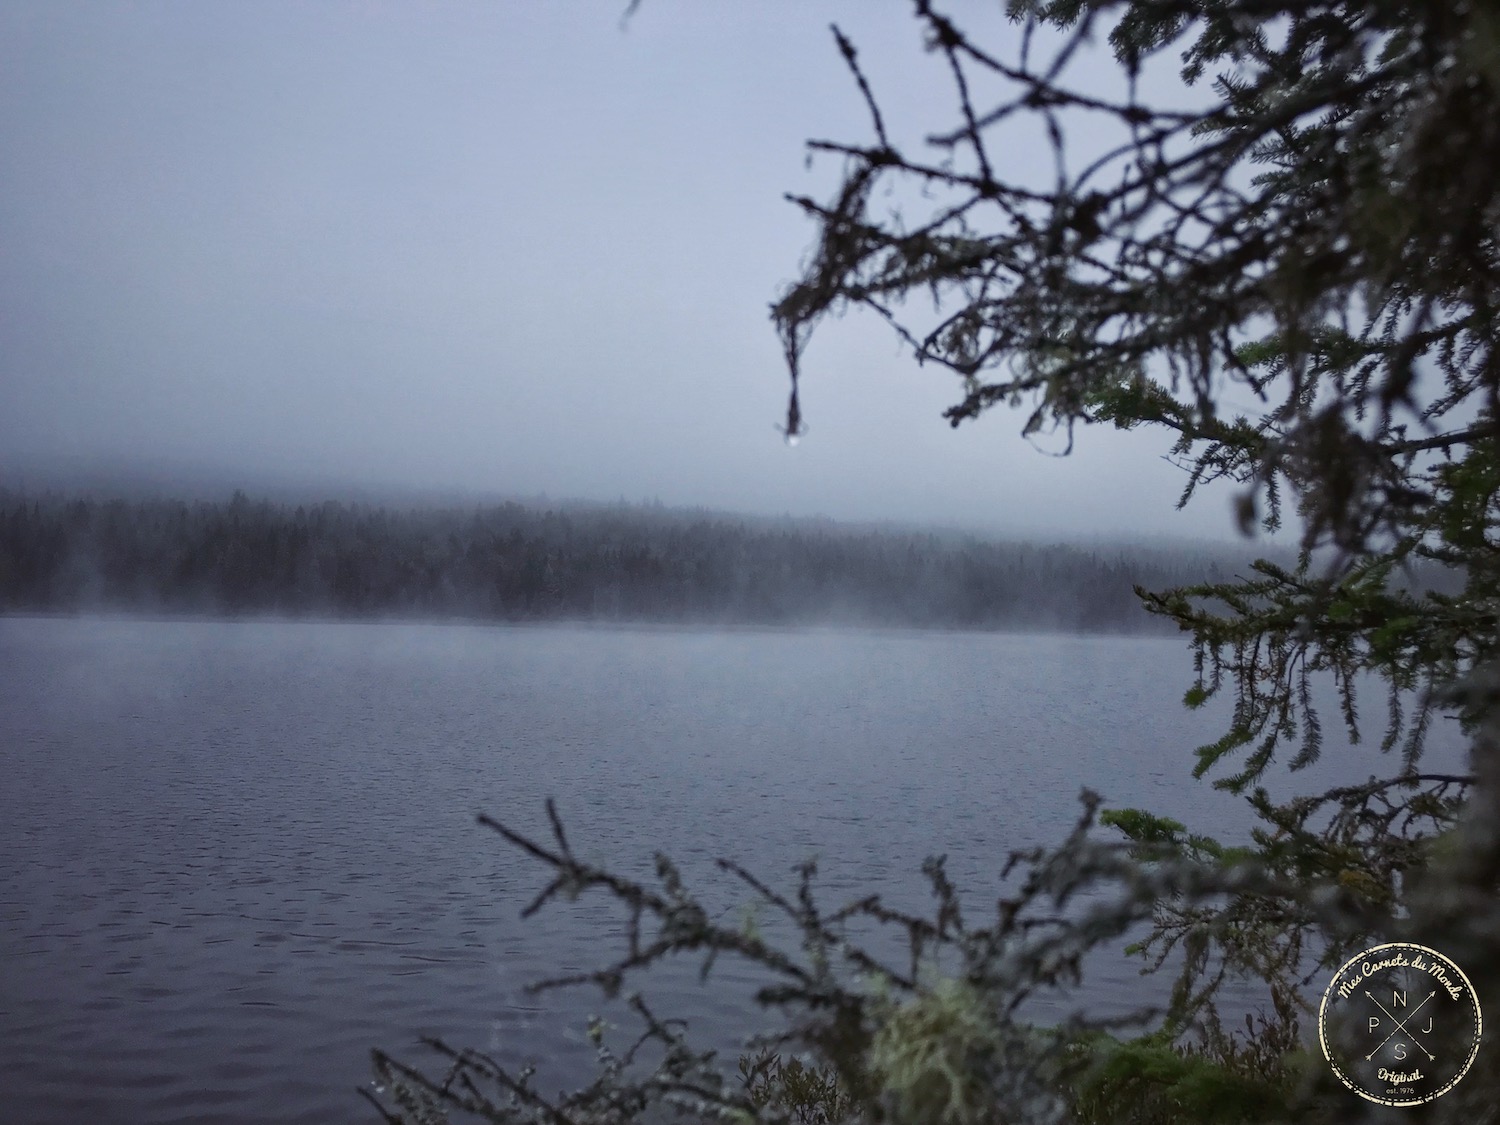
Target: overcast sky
503, 246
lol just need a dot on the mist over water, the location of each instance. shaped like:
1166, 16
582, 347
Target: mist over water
239, 855
401, 274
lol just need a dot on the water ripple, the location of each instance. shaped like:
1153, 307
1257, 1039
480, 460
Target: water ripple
236, 856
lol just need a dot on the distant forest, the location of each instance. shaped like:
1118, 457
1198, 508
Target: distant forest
516, 562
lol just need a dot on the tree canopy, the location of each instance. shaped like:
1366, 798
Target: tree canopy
1296, 277
1317, 240
513, 562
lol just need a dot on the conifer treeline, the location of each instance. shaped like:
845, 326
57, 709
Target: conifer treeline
517, 562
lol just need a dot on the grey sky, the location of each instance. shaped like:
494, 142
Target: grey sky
503, 246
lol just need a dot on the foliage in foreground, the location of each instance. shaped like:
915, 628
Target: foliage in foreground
1319, 238
876, 1039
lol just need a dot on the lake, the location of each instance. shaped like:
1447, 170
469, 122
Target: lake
234, 856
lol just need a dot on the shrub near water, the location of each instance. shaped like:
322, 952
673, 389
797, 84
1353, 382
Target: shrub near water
929, 1058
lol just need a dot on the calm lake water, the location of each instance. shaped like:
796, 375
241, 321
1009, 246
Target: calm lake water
236, 856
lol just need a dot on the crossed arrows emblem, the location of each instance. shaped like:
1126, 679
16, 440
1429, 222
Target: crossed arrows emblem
1401, 1026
